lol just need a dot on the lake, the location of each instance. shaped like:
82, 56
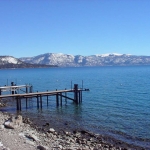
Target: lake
118, 103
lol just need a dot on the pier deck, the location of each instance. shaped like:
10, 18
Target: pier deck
35, 94
38, 95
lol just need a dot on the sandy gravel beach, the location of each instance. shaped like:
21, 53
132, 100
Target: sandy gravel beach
17, 133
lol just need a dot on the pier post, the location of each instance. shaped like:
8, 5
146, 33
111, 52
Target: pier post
57, 100
26, 97
47, 99
76, 93
26, 89
18, 103
12, 84
41, 101
37, 101
65, 96
79, 96
0, 92
61, 99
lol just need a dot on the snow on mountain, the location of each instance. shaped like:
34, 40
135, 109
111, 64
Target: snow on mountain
110, 59
109, 54
51, 59
9, 60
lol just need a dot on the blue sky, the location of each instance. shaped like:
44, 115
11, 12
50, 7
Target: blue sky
85, 27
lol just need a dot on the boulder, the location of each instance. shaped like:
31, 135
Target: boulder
13, 122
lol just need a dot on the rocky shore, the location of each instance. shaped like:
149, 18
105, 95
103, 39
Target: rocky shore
18, 133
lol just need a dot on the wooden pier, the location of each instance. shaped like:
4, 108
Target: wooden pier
14, 89
59, 94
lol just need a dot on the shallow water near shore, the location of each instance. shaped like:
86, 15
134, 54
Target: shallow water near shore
117, 105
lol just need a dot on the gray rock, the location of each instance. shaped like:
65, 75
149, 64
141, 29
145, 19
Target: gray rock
40, 147
30, 142
32, 136
60, 146
13, 122
9, 125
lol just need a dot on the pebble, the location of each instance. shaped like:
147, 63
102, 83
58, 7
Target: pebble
1, 127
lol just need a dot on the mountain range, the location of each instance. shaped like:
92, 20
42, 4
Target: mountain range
66, 60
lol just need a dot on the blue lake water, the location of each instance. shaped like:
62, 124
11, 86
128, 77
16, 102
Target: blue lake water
118, 103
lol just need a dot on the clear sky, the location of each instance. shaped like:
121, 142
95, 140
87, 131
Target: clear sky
77, 27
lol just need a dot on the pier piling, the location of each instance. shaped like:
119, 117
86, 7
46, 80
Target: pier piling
57, 99
47, 99
76, 93
37, 101
41, 101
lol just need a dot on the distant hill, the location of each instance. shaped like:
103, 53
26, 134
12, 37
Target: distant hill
66, 60
11, 62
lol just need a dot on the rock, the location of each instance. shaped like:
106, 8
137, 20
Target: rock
9, 125
51, 130
1, 127
47, 124
40, 147
17, 120
26, 120
1, 144
13, 122
2, 104
30, 142
60, 146
32, 136
21, 135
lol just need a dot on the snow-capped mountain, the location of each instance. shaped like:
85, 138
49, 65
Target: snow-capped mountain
65, 60
51, 59
11, 62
